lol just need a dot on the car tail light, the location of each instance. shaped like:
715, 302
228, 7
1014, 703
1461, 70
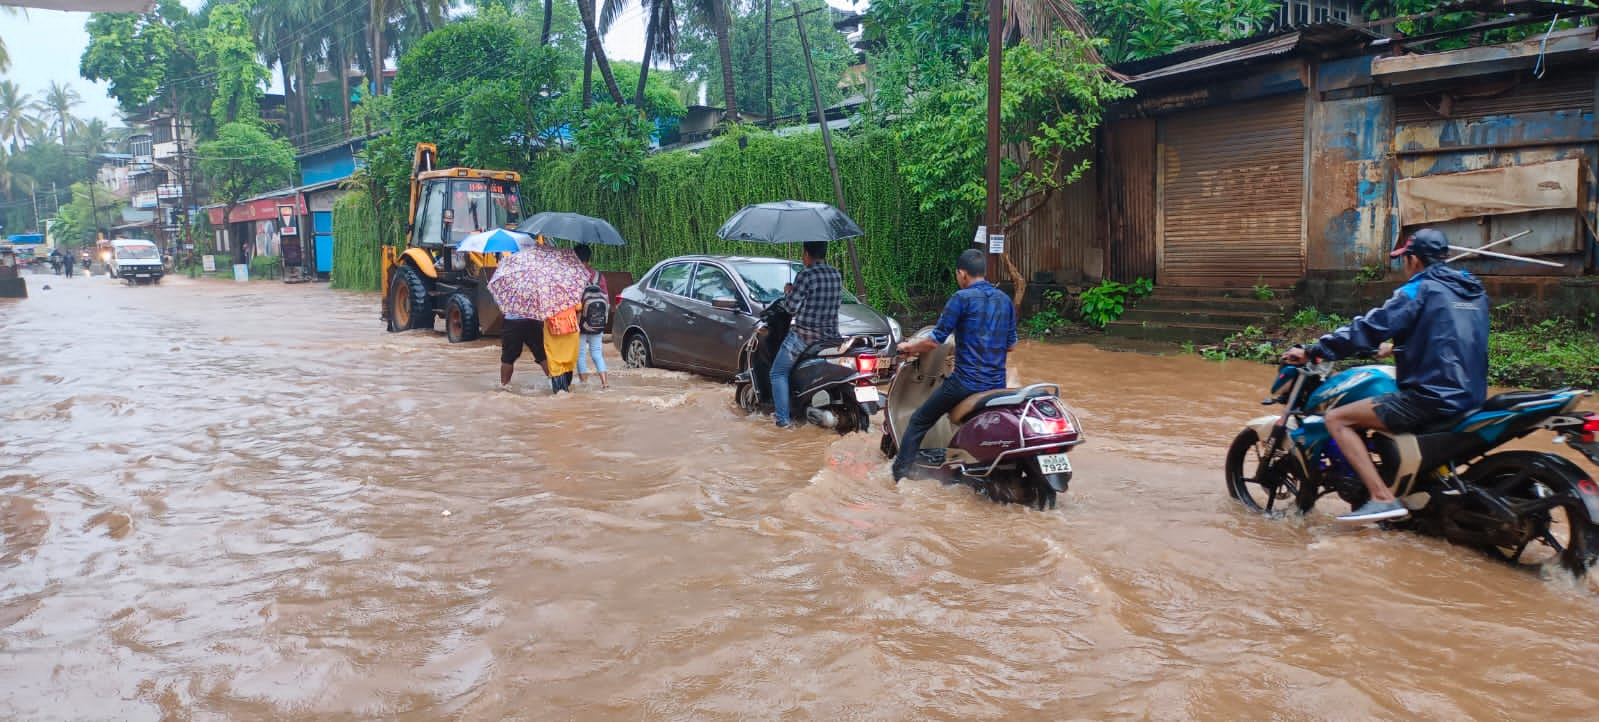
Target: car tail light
866, 364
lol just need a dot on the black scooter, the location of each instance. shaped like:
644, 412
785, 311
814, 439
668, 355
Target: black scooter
833, 384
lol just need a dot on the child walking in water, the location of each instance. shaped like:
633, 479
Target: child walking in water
596, 309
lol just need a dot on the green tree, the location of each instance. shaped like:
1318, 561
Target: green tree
137, 54
56, 108
661, 99
1135, 29
241, 162
615, 139
17, 122
1051, 101
791, 86
80, 221
228, 51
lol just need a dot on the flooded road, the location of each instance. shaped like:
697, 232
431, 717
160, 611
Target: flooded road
227, 501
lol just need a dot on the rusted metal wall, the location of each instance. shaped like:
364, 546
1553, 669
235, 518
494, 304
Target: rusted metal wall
1062, 238
1230, 185
1127, 197
1519, 122
1349, 223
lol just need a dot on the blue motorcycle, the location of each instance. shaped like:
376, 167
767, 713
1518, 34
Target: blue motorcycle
1524, 507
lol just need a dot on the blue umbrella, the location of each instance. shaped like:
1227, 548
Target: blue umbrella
495, 240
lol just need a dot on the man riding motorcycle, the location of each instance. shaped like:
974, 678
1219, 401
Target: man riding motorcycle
983, 320
1441, 318
813, 298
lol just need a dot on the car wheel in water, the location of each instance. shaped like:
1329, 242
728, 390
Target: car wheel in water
636, 351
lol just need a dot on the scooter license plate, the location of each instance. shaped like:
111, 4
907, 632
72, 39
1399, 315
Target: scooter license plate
866, 394
1054, 464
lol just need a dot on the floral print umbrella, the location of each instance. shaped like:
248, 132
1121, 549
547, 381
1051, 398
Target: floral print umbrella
539, 283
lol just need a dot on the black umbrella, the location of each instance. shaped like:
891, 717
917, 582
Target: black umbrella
574, 227
789, 222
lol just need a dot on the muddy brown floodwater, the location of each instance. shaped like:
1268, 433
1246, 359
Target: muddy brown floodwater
224, 501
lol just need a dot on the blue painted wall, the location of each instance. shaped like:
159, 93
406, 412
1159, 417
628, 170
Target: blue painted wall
330, 164
1348, 222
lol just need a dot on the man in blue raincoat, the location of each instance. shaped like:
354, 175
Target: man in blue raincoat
1440, 317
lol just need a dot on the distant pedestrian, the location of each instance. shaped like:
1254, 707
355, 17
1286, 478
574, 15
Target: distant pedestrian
514, 335
66, 264
595, 311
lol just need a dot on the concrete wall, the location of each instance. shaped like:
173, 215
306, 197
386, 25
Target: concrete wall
1535, 296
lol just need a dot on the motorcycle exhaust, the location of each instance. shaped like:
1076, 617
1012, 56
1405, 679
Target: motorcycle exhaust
822, 417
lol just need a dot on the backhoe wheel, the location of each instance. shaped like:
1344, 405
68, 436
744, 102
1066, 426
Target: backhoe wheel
460, 319
409, 304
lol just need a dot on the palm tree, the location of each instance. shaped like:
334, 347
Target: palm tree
721, 22
16, 123
5, 57
660, 35
11, 180
595, 53
56, 106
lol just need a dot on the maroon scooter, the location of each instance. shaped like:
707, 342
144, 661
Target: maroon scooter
1009, 444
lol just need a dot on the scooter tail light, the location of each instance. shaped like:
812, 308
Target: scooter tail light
866, 363
1590, 423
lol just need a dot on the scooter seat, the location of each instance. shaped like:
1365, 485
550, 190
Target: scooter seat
830, 349
996, 398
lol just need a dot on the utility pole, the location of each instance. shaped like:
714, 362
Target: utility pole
996, 40
827, 144
94, 206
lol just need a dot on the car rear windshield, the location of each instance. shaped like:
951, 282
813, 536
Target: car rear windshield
766, 280
137, 252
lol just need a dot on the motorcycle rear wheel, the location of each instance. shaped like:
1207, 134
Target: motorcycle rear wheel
1259, 495
1564, 534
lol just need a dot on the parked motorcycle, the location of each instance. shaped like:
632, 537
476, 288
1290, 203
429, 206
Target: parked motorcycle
832, 384
1525, 507
1009, 444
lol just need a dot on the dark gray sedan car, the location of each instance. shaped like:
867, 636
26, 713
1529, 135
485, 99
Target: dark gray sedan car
695, 313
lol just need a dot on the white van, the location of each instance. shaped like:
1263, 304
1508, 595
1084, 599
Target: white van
136, 261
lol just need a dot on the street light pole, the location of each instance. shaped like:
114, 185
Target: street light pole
827, 144
996, 40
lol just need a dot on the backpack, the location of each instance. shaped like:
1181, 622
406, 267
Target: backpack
596, 308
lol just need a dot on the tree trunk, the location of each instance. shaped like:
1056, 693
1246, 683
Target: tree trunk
649, 47
549, 16
586, 7
424, 22
588, 72
724, 45
770, 113
288, 95
379, 19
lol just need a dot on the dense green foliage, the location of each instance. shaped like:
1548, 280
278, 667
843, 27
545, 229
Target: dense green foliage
1052, 101
791, 87
357, 251
1135, 29
1108, 301
682, 198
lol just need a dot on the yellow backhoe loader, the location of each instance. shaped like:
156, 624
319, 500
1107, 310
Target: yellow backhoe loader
429, 279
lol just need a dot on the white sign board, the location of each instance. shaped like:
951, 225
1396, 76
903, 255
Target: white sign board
209, 263
981, 237
996, 243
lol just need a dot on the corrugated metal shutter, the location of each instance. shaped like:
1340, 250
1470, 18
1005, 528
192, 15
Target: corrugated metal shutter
1129, 199
1233, 177
1563, 89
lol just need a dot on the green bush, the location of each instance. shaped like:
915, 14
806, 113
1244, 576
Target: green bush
265, 268
357, 248
1107, 301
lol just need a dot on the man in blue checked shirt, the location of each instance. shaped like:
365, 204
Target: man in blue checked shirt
814, 298
984, 323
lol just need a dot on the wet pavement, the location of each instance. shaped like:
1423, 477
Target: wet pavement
228, 501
